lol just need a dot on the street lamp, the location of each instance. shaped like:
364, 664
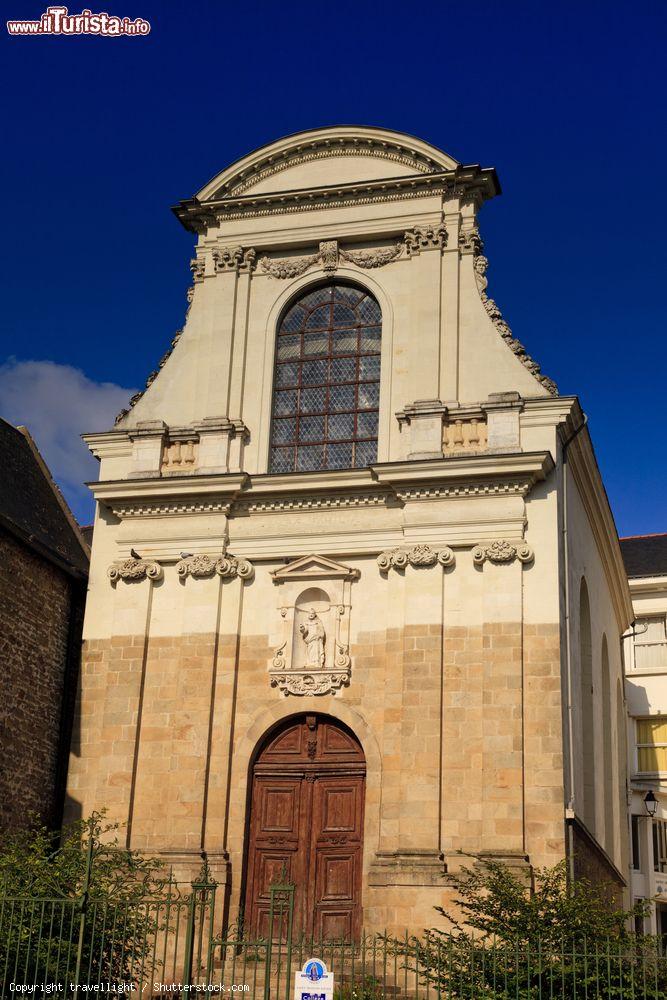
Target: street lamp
650, 803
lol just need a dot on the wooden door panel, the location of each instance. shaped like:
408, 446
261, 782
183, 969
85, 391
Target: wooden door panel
340, 808
307, 806
279, 809
269, 866
337, 846
276, 822
335, 925
337, 744
335, 877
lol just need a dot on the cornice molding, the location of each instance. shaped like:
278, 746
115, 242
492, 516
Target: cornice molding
648, 585
470, 182
295, 502
170, 495
463, 472
390, 484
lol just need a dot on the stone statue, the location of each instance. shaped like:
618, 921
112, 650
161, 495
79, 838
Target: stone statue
314, 636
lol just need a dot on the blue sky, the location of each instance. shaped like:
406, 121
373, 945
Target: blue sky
102, 136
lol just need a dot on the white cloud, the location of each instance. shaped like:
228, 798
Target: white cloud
58, 403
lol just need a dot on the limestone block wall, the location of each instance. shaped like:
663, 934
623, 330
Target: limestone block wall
454, 697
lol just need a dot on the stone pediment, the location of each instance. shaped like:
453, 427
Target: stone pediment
314, 567
338, 155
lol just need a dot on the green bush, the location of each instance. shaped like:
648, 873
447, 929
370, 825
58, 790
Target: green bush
47, 887
510, 941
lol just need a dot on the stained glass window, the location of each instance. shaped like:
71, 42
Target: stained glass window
327, 382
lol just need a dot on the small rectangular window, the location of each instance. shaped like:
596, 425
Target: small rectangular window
660, 845
652, 745
639, 921
650, 643
636, 844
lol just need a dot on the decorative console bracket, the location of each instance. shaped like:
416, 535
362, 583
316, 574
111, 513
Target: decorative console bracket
502, 551
134, 569
226, 566
418, 555
312, 641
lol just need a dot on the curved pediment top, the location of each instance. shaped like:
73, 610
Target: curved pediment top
337, 155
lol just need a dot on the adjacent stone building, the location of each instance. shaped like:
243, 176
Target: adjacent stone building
646, 689
356, 591
43, 572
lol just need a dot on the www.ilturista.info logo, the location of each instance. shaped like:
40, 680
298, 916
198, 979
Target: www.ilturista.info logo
58, 21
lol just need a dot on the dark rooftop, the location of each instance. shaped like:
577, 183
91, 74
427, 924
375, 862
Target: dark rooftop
31, 506
645, 555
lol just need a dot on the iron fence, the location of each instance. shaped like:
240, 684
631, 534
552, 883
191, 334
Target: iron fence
168, 945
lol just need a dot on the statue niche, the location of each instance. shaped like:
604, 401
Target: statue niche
311, 650
312, 610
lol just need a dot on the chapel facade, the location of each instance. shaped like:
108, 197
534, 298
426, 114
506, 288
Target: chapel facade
356, 591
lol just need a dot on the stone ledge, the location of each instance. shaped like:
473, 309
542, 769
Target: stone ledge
407, 868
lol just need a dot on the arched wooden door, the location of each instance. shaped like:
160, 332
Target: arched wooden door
307, 814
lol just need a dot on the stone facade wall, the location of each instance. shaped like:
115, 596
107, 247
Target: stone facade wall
450, 719
35, 608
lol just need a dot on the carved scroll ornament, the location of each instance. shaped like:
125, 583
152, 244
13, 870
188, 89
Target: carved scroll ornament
234, 259
418, 555
428, 238
226, 566
134, 569
502, 551
299, 683
470, 241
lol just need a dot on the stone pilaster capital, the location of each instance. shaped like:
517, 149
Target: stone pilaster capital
134, 569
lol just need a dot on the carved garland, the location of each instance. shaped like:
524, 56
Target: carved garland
418, 556
226, 566
471, 242
134, 569
329, 256
502, 551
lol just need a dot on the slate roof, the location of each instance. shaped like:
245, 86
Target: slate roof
31, 505
645, 555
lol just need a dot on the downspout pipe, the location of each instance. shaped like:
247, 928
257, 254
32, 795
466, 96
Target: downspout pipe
568, 652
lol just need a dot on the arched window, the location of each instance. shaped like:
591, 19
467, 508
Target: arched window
326, 388
587, 708
607, 751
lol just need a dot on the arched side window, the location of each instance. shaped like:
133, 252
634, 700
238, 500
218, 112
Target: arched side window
587, 708
326, 388
607, 751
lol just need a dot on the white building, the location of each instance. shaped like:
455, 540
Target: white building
646, 690
356, 592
